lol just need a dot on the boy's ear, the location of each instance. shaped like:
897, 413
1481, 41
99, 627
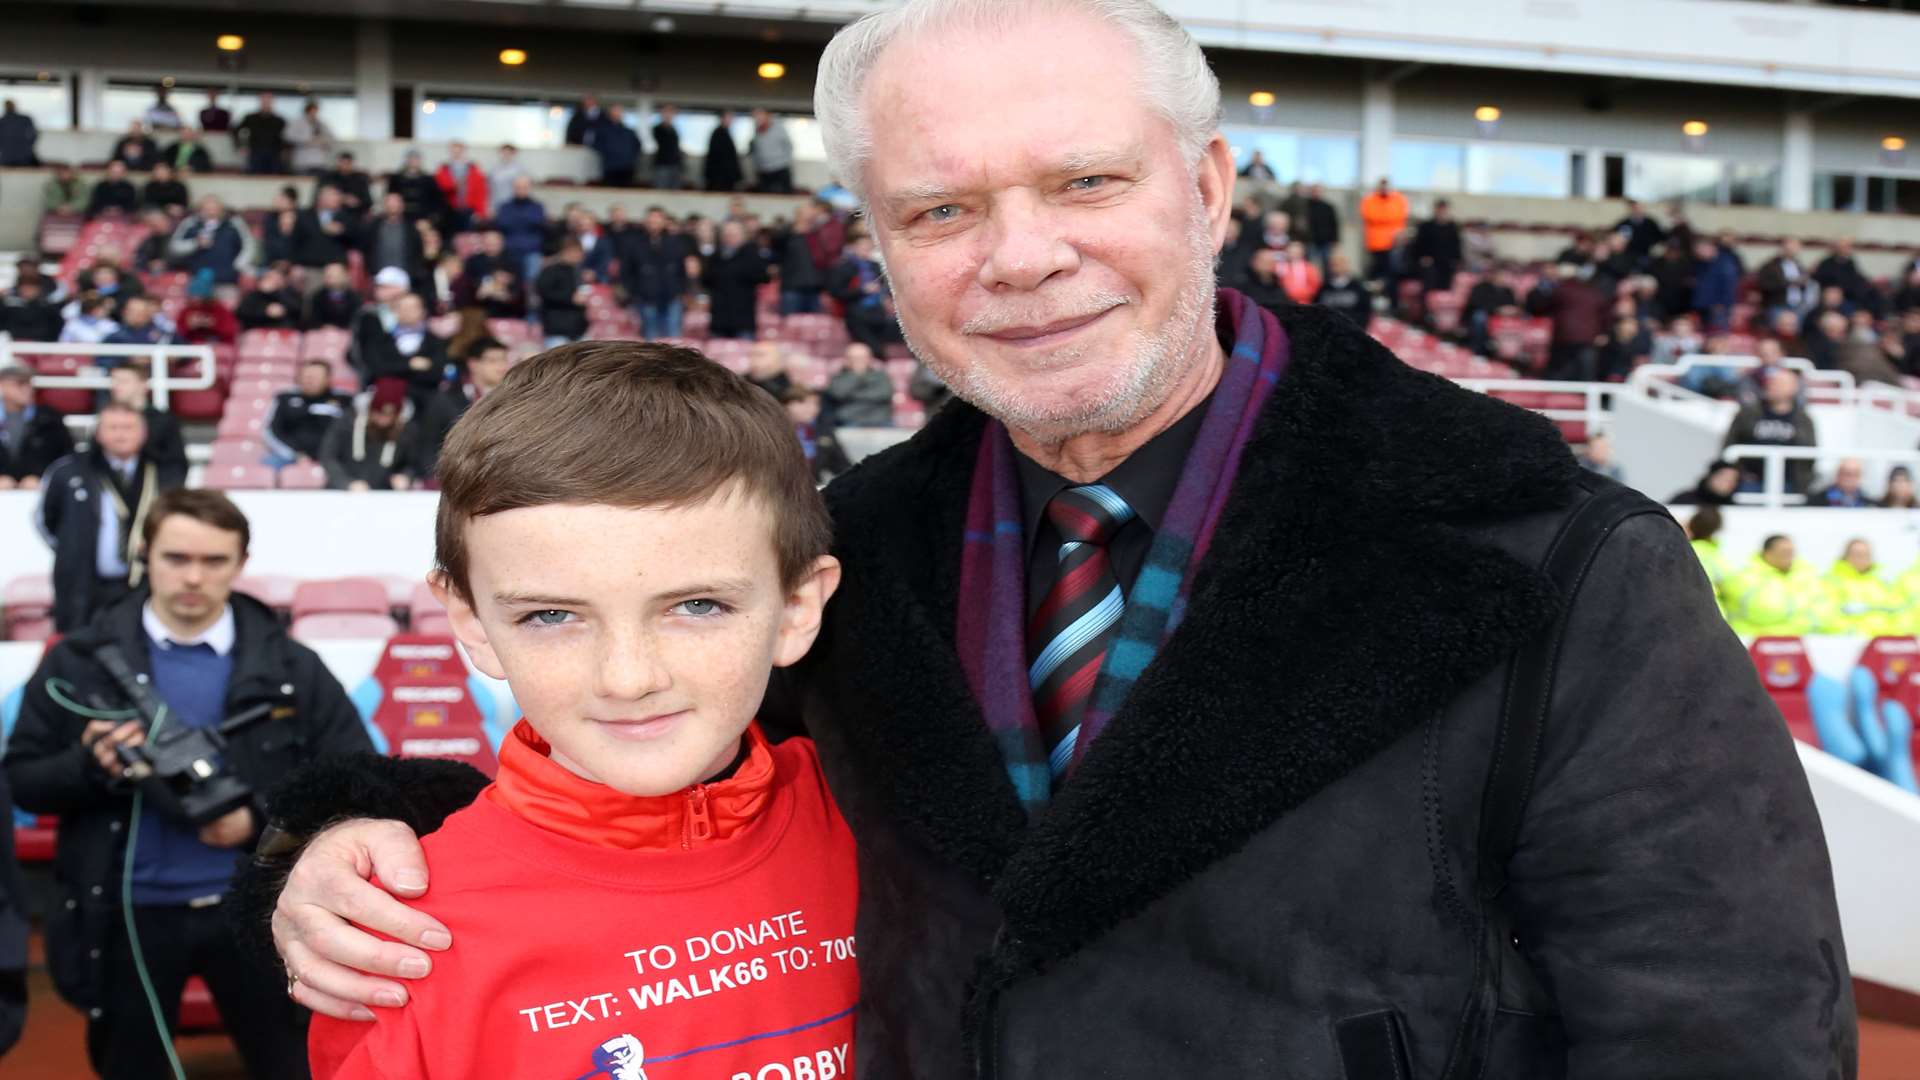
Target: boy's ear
800, 620
466, 625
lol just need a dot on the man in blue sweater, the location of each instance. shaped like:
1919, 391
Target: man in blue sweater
208, 653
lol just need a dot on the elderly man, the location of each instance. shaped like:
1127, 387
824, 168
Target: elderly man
1173, 669
214, 240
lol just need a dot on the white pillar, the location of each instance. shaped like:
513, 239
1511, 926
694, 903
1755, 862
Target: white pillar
1376, 130
1796, 161
90, 89
373, 78
1595, 179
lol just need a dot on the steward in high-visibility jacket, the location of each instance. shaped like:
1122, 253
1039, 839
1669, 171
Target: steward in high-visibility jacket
1859, 600
1773, 596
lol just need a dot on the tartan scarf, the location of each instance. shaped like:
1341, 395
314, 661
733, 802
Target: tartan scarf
991, 626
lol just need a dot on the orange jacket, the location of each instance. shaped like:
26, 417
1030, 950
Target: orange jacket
1384, 216
1300, 278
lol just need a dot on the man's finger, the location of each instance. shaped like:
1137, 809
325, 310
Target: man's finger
336, 991
398, 860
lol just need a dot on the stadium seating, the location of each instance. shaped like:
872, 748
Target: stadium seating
1786, 671
340, 625
357, 595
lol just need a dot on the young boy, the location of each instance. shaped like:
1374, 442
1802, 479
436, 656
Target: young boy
629, 536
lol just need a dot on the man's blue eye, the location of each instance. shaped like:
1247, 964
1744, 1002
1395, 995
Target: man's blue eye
1087, 183
942, 213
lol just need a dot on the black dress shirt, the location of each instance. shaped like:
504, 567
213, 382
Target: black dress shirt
1146, 480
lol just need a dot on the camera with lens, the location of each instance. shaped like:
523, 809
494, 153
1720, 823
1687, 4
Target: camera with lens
182, 767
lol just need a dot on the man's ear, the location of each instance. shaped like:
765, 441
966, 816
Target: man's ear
467, 627
1216, 176
800, 619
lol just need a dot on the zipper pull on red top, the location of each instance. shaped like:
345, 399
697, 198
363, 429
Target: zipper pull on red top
699, 822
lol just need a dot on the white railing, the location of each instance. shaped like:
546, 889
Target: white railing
1594, 397
163, 380
1773, 493
1823, 387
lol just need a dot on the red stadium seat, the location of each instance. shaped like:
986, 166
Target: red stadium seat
422, 604
308, 477
197, 1011
274, 590
198, 405
439, 625
333, 626
240, 424
239, 477
27, 596
1785, 671
228, 452
30, 630
352, 595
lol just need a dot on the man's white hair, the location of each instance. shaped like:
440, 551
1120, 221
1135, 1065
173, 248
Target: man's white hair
1172, 76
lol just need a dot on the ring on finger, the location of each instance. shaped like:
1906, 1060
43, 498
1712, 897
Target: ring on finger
293, 980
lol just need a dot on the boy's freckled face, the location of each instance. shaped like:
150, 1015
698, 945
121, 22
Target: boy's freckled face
638, 641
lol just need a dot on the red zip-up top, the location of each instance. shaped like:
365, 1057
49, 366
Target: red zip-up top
599, 936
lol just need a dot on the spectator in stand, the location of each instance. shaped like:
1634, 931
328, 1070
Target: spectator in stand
392, 240
92, 509
1641, 233
311, 141
1383, 213
418, 189
1257, 168
109, 278
1323, 227
1900, 491
1825, 336
164, 191
1861, 354
733, 277
408, 351
138, 326
323, 234
654, 267
1582, 252
1436, 248
487, 363
522, 221
1613, 263
1846, 491
212, 240
767, 368
130, 385
136, 150
563, 295
333, 302
1903, 342
1261, 282
188, 153
263, 135
276, 233
151, 256
491, 257
272, 305
91, 321
17, 137
1716, 284
860, 284
1716, 488
1345, 293
298, 422
800, 280
825, 458
376, 321
1626, 347
1778, 418
669, 164
1297, 274
65, 192
1491, 297
617, 146
1578, 312
1784, 327
503, 178
114, 192
376, 446
1908, 296
32, 437
353, 184
463, 187
860, 394
596, 245
1295, 207
585, 116
1784, 283
1839, 270
721, 169
772, 154
215, 117
1598, 457
161, 115
205, 320
29, 314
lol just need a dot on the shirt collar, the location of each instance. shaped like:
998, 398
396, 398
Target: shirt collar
218, 637
1146, 479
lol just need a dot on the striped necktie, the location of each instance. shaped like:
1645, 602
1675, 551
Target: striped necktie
1068, 635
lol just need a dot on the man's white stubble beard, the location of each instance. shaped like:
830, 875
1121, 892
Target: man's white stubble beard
1159, 358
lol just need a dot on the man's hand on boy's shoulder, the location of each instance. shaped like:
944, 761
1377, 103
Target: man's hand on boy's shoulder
325, 955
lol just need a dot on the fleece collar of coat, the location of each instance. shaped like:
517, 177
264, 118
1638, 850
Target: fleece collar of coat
1341, 605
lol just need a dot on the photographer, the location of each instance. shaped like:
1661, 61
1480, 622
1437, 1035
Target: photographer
209, 654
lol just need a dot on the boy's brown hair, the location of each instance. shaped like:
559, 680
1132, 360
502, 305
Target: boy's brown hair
630, 424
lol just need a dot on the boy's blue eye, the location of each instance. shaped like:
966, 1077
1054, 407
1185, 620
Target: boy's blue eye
700, 608
549, 617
